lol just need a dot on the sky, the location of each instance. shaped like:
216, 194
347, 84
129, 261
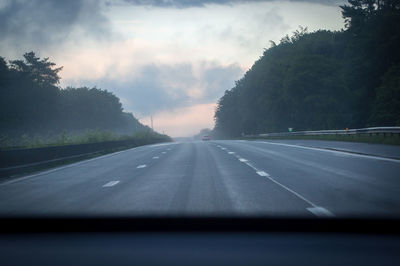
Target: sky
169, 59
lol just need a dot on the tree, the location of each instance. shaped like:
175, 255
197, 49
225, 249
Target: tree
386, 111
31, 102
42, 72
322, 80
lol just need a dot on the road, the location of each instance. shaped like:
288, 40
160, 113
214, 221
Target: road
216, 178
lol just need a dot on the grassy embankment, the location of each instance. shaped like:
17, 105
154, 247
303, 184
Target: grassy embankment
90, 136
366, 138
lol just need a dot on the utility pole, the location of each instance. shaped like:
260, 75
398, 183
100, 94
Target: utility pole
151, 117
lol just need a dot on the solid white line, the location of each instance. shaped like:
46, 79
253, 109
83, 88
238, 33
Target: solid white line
251, 166
333, 151
111, 183
292, 191
156, 157
164, 144
320, 212
315, 209
264, 174
141, 166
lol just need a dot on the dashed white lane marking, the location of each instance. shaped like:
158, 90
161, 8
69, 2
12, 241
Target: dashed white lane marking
315, 209
69, 166
281, 185
320, 212
164, 152
111, 183
333, 151
168, 149
262, 173
141, 166
156, 157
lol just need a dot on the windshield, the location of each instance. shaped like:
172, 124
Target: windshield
206, 107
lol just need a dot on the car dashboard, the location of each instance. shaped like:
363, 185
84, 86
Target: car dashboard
198, 241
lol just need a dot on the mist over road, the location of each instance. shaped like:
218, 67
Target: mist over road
233, 177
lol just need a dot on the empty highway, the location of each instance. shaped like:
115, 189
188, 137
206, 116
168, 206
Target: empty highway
232, 177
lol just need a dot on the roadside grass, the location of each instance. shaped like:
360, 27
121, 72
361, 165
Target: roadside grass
90, 136
366, 138
18, 172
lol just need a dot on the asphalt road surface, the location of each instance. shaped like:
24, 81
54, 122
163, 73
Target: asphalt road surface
218, 178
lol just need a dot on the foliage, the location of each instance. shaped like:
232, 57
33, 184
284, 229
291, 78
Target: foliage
322, 80
31, 104
89, 136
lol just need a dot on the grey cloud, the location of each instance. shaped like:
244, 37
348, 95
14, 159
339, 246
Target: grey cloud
40, 23
269, 23
202, 3
219, 79
155, 89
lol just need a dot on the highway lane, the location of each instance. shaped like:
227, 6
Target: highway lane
212, 178
343, 183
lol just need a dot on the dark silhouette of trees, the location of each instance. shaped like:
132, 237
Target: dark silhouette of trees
32, 103
322, 80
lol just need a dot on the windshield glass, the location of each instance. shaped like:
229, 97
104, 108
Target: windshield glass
206, 107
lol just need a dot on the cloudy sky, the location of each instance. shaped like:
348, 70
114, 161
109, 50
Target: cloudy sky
170, 59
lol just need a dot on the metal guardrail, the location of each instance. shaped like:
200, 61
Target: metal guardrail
370, 130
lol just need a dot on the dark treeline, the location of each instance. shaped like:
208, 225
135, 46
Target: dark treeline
32, 103
322, 80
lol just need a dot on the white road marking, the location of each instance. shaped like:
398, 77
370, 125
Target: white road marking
223, 149
333, 151
164, 152
315, 209
164, 144
231, 152
45, 172
252, 166
156, 157
111, 183
141, 166
320, 212
168, 149
262, 173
